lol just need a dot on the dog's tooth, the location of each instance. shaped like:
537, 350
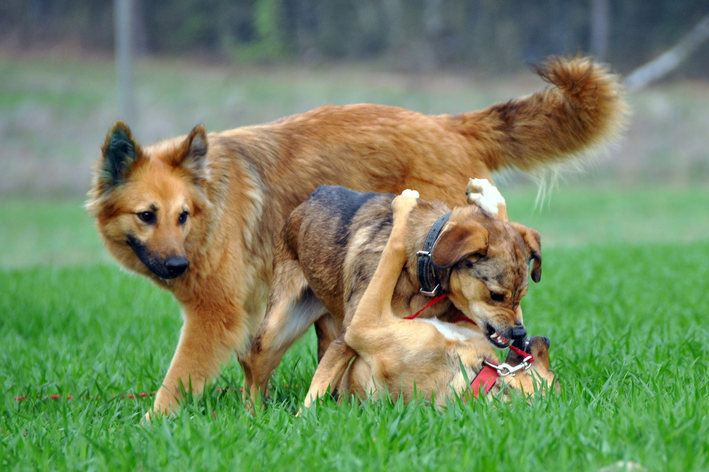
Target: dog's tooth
494, 336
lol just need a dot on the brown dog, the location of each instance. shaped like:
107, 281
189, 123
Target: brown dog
199, 215
331, 246
404, 357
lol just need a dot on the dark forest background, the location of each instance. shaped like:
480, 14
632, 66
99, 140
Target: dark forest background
414, 35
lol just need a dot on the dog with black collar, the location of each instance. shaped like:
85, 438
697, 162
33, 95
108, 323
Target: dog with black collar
472, 260
402, 358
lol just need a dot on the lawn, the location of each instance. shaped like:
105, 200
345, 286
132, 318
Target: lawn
623, 298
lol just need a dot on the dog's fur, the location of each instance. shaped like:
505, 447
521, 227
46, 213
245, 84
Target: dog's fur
200, 215
405, 357
330, 248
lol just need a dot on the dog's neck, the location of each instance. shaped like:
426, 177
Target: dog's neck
407, 298
420, 221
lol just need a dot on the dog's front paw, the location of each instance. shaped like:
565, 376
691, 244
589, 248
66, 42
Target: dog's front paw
482, 193
403, 204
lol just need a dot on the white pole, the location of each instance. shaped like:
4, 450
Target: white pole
123, 16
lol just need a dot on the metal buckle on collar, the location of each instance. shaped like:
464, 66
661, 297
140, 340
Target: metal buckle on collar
433, 292
503, 370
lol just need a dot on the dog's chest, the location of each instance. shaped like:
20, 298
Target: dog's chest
449, 330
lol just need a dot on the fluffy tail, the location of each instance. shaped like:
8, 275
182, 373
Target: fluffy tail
583, 111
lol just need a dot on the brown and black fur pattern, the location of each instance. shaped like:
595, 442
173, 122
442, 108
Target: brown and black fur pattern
199, 215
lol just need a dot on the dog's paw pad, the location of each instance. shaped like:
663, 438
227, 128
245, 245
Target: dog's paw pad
410, 193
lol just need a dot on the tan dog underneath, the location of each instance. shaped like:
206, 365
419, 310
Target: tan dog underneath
408, 357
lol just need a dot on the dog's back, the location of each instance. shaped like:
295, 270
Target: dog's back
337, 236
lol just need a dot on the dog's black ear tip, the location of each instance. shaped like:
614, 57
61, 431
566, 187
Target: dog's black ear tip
119, 126
199, 130
547, 341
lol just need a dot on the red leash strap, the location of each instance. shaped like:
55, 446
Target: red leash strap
485, 379
431, 303
521, 353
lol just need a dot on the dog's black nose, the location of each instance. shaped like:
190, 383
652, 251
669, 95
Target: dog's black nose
176, 265
518, 332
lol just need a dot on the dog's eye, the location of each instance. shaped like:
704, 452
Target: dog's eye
183, 217
497, 297
147, 217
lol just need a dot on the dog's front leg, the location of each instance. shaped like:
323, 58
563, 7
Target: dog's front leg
205, 342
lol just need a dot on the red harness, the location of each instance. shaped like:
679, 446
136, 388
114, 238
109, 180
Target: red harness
431, 303
491, 370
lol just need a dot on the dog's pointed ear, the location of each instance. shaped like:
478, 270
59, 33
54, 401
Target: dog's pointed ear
458, 240
192, 155
534, 243
120, 152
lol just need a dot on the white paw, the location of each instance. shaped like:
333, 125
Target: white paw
488, 197
410, 193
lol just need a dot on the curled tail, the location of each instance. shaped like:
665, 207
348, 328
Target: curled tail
584, 110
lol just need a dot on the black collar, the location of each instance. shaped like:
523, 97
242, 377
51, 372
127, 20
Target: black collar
426, 274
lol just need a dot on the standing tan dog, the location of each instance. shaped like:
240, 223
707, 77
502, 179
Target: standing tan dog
200, 215
403, 357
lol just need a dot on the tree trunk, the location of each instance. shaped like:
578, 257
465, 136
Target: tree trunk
669, 60
600, 28
124, 59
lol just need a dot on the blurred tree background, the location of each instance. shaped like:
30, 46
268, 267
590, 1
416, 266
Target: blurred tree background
492, 36
229, 63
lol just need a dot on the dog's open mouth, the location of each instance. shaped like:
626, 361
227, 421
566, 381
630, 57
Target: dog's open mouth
497, 340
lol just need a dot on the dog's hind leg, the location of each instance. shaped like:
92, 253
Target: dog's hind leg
292, 309
330, 370
327, 329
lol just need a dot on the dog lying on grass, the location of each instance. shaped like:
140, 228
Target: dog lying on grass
404, 357
200, 215
331, 246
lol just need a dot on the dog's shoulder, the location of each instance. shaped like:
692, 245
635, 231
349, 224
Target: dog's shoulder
343, 200
343, 211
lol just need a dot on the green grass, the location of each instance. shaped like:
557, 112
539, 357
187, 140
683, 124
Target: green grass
47, 232
628, 343
622, 298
